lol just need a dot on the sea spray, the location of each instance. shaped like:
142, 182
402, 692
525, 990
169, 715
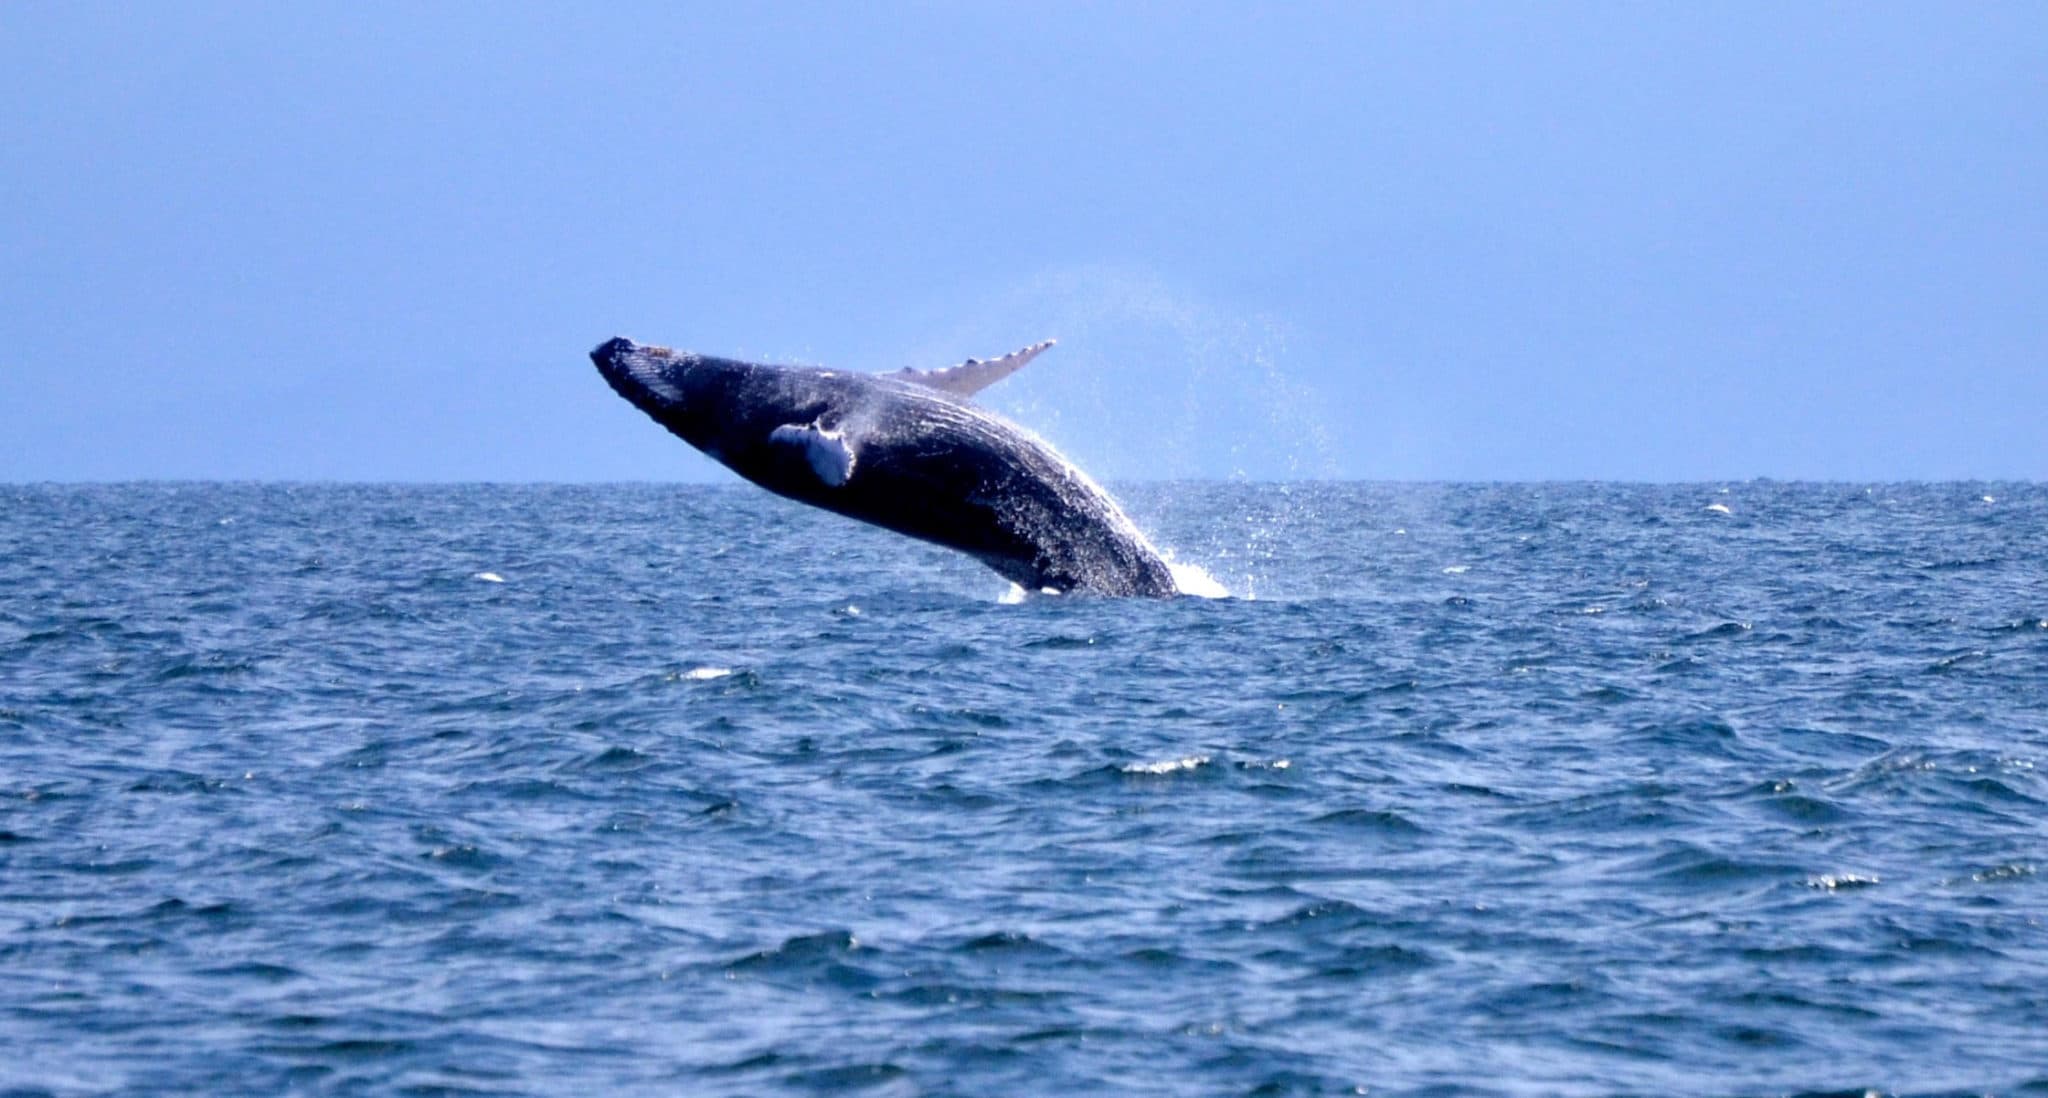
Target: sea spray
1149, 384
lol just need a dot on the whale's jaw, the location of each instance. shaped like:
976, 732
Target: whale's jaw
649, 377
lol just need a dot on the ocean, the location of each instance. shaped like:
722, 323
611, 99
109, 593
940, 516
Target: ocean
1467, 789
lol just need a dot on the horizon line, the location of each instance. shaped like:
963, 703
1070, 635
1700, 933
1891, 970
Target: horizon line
736, 482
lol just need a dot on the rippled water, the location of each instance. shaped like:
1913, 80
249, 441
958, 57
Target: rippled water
1525, 789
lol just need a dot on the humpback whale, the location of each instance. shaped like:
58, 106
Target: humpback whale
908, 451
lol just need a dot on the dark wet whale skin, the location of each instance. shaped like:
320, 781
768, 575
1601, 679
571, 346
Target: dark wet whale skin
927, 464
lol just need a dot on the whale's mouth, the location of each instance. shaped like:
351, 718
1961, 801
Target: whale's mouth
648, 376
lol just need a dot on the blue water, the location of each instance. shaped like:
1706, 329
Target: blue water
1520, 789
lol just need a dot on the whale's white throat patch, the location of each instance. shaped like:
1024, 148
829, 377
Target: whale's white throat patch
827, 451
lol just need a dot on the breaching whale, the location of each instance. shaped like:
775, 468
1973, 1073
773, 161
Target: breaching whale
907, 451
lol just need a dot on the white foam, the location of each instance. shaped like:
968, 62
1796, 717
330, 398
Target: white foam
1193, 579
489, 577
1166, 766
1719, 508
701, 674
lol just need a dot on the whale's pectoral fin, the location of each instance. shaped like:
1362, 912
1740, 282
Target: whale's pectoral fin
973, 375
828, 452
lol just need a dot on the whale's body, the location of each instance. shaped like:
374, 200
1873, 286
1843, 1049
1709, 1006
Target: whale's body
908, 452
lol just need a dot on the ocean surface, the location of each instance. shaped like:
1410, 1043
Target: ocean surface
1520, 789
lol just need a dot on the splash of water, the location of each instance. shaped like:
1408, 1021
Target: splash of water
1193, 579
1148, 381
1149, 384
1188, 579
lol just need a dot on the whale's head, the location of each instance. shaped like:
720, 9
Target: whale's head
697, 397
655, 379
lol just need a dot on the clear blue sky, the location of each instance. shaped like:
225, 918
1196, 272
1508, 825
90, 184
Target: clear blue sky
1633, 241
